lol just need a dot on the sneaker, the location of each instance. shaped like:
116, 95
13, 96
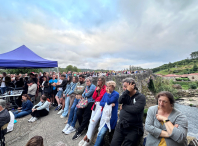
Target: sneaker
34, 119
76, 136
70, 130
60, 112
60, 107
66, 127
30, 119
81, 142
57, 108
86, 143
62, 117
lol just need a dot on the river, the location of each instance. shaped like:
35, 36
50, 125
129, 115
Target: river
192, 116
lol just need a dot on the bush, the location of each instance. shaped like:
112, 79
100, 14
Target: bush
185, 87
193, 86
182, 79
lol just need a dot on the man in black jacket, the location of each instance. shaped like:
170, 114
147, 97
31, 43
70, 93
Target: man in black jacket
61, 87
129, 129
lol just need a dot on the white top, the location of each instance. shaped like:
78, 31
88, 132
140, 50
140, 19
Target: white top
11, 123
43, 85
60, 81
3, 83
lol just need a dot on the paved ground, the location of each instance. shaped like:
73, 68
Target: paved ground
49, 127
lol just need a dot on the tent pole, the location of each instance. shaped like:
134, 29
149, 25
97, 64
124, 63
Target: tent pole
58, 73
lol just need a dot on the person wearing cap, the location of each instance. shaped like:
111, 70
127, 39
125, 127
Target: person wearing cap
129, 129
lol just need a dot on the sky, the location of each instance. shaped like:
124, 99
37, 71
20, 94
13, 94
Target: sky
102, 34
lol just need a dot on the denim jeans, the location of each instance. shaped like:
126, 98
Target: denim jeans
59, 93
3, 90
66, 109
20, 114
73, 113
100, 136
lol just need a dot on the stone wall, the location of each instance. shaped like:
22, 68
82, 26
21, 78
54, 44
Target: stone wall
139, 78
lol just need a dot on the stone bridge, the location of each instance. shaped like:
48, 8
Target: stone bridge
140, 78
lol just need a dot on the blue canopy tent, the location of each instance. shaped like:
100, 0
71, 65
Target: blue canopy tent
23, 57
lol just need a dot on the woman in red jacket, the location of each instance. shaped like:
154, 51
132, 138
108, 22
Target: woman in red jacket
96, 111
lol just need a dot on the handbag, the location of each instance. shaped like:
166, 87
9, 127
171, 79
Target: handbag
82, 103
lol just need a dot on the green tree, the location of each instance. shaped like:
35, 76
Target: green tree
194, 67
23, 71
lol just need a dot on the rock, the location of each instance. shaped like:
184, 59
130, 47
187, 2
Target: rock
177, 86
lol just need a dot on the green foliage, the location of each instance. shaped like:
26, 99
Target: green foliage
161, 84
69, 68
145, 111
193, 86
182, 79
195, 68
23, 71
2, 70
185, 87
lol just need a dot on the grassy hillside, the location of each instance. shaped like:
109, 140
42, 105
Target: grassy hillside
186, 66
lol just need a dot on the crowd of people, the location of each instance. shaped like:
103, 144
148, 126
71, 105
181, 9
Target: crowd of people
75, 96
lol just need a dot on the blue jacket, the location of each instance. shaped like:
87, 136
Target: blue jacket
27, 106
88, 92
68, 88
73, 86
109, 99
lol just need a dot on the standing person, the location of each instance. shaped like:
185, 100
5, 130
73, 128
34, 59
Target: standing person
54, 91
70, 88
129, 129
96, 110
59, 94
4, 83
26, 108
84, 114
109, 116
40, 110
79, 89
45, 86
32, 87
166, 125
41, 78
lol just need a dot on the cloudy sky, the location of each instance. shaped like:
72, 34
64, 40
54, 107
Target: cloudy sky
102, 34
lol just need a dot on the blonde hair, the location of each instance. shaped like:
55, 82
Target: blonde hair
111, 83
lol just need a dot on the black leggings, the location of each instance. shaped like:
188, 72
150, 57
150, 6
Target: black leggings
39, 113
83, 115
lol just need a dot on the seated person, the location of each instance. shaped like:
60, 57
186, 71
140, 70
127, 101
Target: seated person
32, 87
35, 141
26, 108
96, 110
40, 110
84, 114
109, 102
11, 123
4, 114
79, 89
166, 125
129, 129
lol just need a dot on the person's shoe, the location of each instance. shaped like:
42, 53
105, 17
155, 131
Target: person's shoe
60, 107
60, 112
86, 143
56, 108
62, 117
81, 142
66, 127
30, 119
34, 119
76, 136
70, 130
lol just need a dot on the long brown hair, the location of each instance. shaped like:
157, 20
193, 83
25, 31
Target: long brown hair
27, 96
35, 141
103, 83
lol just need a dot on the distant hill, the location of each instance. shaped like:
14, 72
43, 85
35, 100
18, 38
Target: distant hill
185, 66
